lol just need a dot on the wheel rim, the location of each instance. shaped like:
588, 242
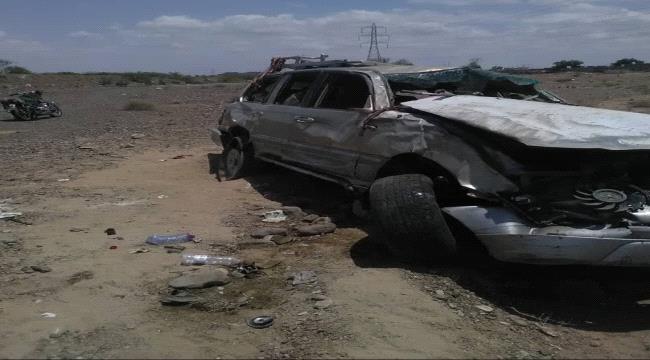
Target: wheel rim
234, 161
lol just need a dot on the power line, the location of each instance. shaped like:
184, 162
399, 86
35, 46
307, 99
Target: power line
376, 35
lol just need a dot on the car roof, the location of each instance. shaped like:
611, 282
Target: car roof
371, 68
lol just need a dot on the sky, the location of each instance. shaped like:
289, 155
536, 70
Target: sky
213, 36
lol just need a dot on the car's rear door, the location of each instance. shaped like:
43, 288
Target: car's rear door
325, 138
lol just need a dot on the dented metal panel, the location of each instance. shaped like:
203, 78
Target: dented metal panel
544, 124
508, 237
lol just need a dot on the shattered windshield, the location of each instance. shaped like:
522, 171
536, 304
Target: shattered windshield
466, 81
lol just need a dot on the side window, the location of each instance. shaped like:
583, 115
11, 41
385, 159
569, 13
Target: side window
261, 92
296, 88
345, 91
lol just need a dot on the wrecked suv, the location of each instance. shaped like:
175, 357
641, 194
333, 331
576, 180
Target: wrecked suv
534, 179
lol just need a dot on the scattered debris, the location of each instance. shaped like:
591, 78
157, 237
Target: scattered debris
274, 216
162, 196
113, 247
9, 215
323, 304
260, 322
63, 180
303, 277
27, 270
110, 231
484, 308
169, 239
265, 231
178, 298
48, 315
293, 211
139, 251
180, 156
546, 331
310, 218
85, 147
57, 333
137, 136
174, 249
256, 242
80, 276
203, 259
315, 229
41, 268
75, 229
440, 294
279, 240
201, 279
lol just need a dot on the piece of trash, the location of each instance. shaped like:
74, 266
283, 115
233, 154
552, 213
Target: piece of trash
180, 157
41, 268
63, 180
76, 229
169, 239
85, 147
546, 331
113, 247
201, 279
174, 249
303, 277
139, 251
260, 322
48, 315
110, 231
137, 136
274, 216
162, 196
204, 259
484, 308
9, 215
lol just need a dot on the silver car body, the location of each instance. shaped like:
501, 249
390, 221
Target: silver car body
467, 140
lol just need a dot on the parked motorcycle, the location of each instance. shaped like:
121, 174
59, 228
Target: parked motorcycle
30, 106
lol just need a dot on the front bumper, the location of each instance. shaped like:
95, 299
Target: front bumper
508, 237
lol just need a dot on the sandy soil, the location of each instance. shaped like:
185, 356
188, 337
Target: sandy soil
107, 301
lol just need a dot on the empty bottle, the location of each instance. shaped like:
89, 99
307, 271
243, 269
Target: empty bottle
169, 239
203, 259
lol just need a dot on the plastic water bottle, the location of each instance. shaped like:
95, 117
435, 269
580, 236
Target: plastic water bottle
203, 259
169, 239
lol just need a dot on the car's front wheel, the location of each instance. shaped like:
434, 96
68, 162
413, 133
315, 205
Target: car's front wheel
237, 158
407, 218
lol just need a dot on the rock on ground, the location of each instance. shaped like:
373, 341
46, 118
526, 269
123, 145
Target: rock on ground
201, 279
315, 229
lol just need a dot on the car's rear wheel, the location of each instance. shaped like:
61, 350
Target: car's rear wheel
238, 159
407, 218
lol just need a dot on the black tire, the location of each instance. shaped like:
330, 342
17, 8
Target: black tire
408, 220
237, 159
20, 115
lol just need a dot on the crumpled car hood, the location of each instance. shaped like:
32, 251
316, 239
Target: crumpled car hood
544, 124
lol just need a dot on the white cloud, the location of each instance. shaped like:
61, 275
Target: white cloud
82, 34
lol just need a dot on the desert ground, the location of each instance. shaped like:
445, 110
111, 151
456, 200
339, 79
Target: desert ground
69, 290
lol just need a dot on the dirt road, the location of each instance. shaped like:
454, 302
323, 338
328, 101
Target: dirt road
106, 299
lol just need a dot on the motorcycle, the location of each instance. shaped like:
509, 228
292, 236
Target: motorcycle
30, 106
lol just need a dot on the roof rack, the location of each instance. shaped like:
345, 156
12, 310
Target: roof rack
303, 62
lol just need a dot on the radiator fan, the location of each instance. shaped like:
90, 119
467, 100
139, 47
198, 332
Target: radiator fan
611, 200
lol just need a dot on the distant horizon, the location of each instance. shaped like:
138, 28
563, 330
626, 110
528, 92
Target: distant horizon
206, 37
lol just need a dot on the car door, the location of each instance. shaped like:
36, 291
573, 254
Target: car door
285, 109
248, 113
325, 138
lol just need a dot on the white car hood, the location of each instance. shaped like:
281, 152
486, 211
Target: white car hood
544, 124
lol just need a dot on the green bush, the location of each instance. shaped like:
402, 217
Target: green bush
139, 106
16, 70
